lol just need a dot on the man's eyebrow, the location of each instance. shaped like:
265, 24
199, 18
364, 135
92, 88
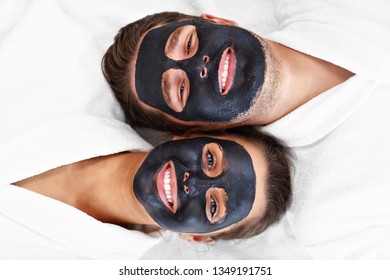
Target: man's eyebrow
174, 39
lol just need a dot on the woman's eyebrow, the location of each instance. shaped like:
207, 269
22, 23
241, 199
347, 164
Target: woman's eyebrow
221, 197
174, 39
225, 199
223, 159
166, 88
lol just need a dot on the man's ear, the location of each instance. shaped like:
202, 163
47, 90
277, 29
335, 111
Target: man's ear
196, 238
219, 20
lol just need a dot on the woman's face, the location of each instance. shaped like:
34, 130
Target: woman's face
199, 185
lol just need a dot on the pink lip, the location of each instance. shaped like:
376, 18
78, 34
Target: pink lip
232, 69
160, 186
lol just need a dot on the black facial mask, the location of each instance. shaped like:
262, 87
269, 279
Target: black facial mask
205, 101
238, 180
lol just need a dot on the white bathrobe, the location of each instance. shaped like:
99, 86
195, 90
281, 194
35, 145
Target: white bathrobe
55, 109
341, 138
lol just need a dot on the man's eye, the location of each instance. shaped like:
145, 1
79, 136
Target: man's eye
213, 207
189, 43
209, 160
181, 90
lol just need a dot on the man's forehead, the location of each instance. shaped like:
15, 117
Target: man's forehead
159, 33
163, 29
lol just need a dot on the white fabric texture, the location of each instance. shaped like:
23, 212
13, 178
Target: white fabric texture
34, 226
351, 34
341, 138
56, 106
340, 206
55, 109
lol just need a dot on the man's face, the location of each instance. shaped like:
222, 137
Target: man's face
197, 185
196, 70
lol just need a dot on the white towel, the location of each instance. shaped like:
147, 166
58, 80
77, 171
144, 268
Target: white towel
56, 108
340, 139
354, 34
33, 226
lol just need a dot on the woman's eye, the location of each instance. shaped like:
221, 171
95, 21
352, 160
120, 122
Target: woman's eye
213, 207
209, 160
189, 43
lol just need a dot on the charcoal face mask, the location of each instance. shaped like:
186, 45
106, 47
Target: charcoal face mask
238, 180
205, 101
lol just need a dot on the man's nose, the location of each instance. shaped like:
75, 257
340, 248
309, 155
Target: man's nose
203, 71
195, 65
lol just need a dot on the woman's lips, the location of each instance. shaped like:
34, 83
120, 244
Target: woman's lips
167, 186
226, 70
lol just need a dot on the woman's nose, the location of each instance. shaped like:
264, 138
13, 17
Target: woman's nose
203, 72
186, 188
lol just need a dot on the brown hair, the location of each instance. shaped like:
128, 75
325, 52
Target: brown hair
278, 183
116, 69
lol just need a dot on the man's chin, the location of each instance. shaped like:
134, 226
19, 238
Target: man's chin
248, 117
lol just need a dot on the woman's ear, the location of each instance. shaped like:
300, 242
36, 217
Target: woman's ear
176, 137
196, 238
187, 135
219, 20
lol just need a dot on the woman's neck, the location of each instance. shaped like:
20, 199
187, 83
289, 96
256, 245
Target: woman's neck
101, 187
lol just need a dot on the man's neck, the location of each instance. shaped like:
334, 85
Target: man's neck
101, 187
302, 77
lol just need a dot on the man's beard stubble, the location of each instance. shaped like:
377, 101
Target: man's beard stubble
268, 95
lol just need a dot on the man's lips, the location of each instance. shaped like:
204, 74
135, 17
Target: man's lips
226, 70
167, 186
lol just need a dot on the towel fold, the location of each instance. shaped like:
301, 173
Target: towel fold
56, 109
34, 226
353, 34
56, 106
